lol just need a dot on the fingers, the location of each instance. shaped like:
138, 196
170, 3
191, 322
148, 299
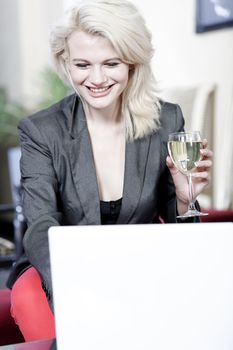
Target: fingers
204, 143
206, 153
171, 166
202, 172
203, 165
202, 175
169, 162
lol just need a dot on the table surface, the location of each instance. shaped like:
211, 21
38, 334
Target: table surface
35, 345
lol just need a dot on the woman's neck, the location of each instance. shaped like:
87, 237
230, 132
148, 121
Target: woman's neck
108, 116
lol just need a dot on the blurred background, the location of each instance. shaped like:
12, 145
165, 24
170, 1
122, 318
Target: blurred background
193, 65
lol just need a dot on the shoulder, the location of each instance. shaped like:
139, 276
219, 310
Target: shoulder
49, 124
52, 116
171, 119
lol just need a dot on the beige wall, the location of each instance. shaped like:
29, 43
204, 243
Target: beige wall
24, 40
10, 62
183, 57
36, 18
24, 30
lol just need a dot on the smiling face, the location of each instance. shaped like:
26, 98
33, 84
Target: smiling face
98, 74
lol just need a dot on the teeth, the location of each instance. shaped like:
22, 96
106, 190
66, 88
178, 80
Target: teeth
99, 90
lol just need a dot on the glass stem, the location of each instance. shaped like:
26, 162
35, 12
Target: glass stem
191, 201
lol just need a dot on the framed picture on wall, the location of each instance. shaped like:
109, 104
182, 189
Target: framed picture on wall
213, 14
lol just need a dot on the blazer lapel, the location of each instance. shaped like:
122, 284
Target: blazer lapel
135, 166
84, 173
83, 168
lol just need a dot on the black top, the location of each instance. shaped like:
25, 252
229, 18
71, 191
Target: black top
110, 211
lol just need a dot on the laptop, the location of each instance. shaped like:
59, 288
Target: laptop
131, 287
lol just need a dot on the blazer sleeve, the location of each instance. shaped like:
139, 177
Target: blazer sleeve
40, 199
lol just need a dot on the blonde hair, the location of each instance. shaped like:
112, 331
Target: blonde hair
120, 22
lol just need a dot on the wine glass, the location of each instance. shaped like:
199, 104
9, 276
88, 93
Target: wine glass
184, 150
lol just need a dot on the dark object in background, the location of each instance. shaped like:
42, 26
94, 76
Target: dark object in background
213, 14
15, 208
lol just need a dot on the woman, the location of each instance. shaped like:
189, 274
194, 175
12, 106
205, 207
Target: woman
99, 156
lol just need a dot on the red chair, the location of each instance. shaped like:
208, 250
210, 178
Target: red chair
9, 331
218, 216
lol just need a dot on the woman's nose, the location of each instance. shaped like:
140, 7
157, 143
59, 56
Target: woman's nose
97, 75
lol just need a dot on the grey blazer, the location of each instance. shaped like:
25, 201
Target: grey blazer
59, 179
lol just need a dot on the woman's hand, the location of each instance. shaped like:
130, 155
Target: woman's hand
201, 178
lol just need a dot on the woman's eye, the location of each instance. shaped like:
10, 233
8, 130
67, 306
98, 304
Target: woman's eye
112, 64
82, 65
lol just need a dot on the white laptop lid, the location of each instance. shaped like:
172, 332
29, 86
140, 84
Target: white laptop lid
130, 287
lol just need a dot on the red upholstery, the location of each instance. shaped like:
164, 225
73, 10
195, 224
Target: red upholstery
9, 331
218, 216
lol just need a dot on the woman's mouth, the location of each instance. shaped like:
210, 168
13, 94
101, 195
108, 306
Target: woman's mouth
100, 90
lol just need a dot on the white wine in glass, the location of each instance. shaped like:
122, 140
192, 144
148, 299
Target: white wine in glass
184, 150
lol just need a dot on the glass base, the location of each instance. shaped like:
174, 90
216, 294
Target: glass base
191, 213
